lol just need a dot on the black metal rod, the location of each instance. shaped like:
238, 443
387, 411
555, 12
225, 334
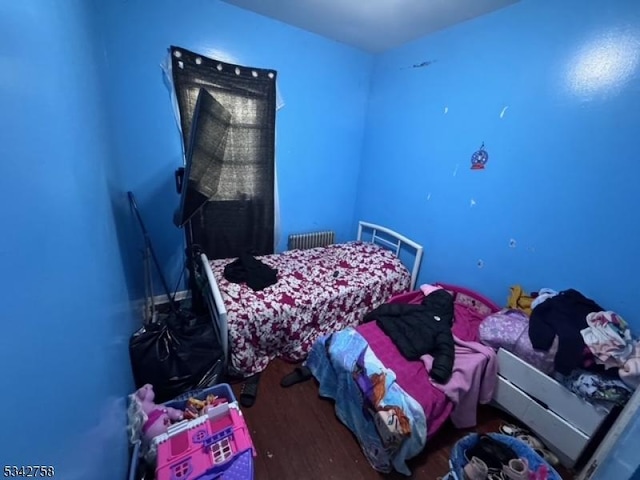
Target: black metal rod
148, 244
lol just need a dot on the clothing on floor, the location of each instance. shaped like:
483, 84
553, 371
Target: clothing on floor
249, 269
422, 329
473, 380
563, 315
609, 338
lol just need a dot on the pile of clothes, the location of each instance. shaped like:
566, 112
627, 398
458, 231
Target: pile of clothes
593, 351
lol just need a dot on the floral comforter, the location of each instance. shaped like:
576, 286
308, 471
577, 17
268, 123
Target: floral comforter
319, 291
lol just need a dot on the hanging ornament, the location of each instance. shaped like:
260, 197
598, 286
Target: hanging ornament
479, 159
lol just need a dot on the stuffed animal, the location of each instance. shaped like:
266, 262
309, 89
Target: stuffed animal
146, 395
157, 423
156, 418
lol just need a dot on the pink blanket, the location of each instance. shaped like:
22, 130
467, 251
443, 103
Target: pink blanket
473, 381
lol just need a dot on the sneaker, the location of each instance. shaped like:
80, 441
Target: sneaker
476, 469
496, 476
517, 469
512, 430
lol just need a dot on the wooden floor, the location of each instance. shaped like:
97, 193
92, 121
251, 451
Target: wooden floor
298, 436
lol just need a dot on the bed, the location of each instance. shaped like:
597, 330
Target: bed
319, 290
420, 408
569, 425
563, 421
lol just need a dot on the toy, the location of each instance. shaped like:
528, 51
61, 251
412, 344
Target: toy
196, 408
214, 445
157, 418
146, 395
158, 422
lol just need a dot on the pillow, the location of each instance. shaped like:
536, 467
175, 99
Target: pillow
509, 329
427, 289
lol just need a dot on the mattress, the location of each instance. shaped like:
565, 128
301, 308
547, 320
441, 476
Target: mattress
319, 291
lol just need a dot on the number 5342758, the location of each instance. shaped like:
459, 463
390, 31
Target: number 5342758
28, 471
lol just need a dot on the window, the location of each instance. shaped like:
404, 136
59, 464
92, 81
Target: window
179, 444
227, 119
221, 451
199, 436
182, 470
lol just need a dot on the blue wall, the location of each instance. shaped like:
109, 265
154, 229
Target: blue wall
319, 132
65, 312
623, 462
552, 89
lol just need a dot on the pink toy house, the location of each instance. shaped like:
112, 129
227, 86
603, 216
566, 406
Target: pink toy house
213, 446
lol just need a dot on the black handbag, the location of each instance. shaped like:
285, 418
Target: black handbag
176, 356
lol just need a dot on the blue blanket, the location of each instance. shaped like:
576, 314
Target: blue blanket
390, 425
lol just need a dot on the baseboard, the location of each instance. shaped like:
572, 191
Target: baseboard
162, 300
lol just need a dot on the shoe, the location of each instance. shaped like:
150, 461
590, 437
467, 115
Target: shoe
548, 456
299, 374
517, 469
530, 440
512, 430
249, 391
476, 469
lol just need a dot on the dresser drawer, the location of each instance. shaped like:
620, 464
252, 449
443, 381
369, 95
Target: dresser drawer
559, 436
545, 389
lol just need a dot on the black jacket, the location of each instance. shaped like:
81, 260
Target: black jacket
421, 329
563, 315
249, 269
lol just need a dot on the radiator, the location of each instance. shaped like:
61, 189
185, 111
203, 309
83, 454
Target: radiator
302, 241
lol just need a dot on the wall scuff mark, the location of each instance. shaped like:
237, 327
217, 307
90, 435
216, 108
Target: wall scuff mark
424, 64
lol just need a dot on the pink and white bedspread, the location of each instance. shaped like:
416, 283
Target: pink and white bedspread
319, 291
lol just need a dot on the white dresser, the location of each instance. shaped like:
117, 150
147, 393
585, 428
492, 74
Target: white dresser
562, 420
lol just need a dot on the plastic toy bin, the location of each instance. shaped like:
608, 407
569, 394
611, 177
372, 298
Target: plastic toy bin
458, 460
243, 462
222, 390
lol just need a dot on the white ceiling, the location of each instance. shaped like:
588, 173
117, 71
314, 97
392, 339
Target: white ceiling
372, 25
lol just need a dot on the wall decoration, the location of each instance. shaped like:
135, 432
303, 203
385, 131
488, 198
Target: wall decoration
479, 159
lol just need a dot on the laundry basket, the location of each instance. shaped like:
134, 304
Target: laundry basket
458, 460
